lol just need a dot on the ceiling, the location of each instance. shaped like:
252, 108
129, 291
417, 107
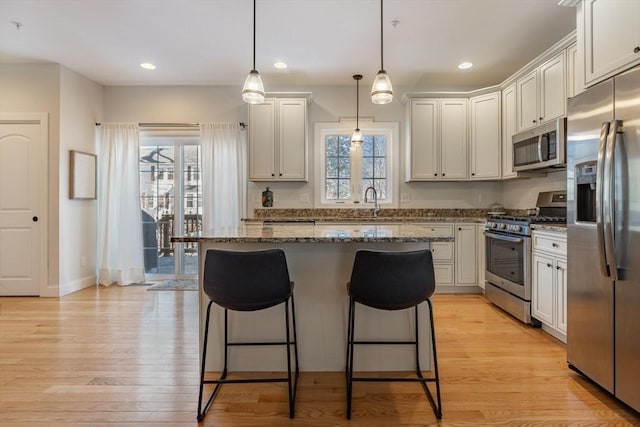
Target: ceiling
324, 42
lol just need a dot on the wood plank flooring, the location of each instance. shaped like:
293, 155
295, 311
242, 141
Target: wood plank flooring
127, 357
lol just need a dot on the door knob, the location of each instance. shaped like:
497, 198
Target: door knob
35, 219
637, 49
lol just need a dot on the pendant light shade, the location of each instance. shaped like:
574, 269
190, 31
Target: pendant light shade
253, 90
356, 137
381, 91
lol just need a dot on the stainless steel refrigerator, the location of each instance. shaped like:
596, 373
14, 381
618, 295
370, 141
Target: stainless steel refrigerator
603, 220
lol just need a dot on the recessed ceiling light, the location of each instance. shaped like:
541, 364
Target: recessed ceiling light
281, 65
465, 65
148, 66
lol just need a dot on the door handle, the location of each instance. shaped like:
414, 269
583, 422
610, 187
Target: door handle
609, 200
600, 186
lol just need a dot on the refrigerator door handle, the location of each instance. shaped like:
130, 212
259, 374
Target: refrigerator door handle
600, 189
609, 199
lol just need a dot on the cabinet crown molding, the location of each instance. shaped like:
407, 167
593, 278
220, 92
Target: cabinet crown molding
306, 95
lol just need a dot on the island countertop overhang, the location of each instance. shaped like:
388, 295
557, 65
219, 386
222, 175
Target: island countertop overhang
319, 233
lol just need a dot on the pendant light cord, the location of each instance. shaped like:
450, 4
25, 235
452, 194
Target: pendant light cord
381, 38
254, 34
357, 102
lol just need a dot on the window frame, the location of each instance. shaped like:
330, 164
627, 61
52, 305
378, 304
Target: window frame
391, 130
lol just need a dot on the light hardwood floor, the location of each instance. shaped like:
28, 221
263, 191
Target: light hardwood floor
128, 357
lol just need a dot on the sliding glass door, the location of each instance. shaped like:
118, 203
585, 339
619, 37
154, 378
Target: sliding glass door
171, 202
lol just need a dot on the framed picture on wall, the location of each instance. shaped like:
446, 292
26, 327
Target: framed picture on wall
82, 175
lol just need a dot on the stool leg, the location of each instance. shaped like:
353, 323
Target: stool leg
350, 344
202, 365
288, 344
295, 347
435, 361
346, 364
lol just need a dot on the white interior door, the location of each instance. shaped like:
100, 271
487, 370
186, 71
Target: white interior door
22, 226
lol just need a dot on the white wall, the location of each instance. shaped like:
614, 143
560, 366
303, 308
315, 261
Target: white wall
80, 107
35, 88
523, 193
194, 104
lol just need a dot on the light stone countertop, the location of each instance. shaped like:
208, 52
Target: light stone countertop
560, 228
367, 220
360, 233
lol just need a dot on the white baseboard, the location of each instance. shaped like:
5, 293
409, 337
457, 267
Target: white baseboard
77, 285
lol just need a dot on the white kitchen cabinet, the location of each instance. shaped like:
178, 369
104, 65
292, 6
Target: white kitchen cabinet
485, 137
466, 255
573, 80
278, 140
611, 31
437, 148
541, 93
509, 124
480, 248
549, 281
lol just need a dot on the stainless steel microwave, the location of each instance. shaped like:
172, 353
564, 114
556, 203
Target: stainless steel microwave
542, 147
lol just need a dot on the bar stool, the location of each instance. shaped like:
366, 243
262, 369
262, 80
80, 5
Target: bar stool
248, 281
392, 281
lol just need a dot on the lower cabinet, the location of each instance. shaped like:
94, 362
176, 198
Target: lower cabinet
549, 282
455, 263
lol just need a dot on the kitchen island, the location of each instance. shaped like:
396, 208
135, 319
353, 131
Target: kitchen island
320, 258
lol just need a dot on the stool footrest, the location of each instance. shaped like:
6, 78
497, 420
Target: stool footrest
386, 342
247, 380
259, 343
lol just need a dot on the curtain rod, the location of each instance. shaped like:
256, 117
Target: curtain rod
183, 125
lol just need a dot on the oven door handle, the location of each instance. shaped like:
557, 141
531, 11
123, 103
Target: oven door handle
503, 237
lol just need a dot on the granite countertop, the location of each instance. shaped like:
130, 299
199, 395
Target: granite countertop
365, 214
372, 233
562, 228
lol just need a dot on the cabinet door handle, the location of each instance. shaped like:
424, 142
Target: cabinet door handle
280, 174
555, 245
473, 174
459, 228
637, 49
443, 174
558, 267
435, 174
273, 174
549, 265
541, 118
534, 121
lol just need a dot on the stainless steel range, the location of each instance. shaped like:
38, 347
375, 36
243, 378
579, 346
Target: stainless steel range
508, 254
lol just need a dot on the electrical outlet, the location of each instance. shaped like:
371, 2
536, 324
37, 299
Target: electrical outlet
405, 198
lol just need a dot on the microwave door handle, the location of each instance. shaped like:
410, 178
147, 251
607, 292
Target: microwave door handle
540, 149
600, 189
609, 200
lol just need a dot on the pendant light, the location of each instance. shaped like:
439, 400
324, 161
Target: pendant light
381, 91
356, 137
253, 90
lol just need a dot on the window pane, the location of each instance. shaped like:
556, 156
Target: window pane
332, 167
344, 167
367, 167
381, 188
344, 192
345, 146
332, 146
380, 170
367, 146
331, 189
380, 146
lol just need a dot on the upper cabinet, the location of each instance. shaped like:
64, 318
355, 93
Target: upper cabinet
509, 123
573, 81
611, 37
485, 136
541, 94
437, 139
278, 140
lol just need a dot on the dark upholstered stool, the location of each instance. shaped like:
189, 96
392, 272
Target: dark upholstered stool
248, 281
392, 281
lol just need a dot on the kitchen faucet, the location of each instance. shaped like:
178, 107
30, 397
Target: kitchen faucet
376, 208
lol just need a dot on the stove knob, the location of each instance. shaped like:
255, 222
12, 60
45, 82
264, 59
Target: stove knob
517, 228
502, 226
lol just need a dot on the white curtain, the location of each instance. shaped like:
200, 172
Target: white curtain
224, 159
120, 251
